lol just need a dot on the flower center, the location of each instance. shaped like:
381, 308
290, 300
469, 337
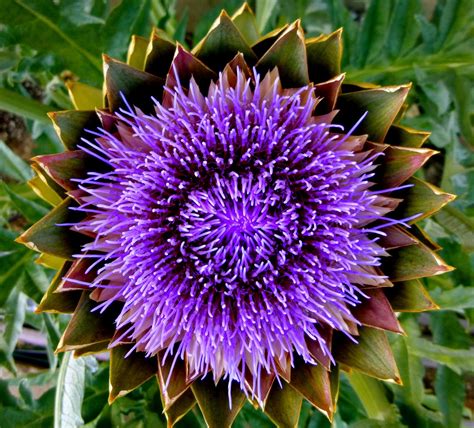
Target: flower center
238, 227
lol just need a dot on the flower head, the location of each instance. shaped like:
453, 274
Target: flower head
226, 229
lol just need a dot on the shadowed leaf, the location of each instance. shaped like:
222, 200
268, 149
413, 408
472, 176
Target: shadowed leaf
136, 86
288, 54
283, 405
324, 56
410, 296
313, 383
87, 326
47, 237
399, 135
59, 302
381, 105
159, 54
70, 125
213, 400
127, 373
222, 43
422, 198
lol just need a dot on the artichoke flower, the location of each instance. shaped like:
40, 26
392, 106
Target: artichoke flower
236, 221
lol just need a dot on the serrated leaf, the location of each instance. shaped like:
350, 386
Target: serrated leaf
48, 28
456, 299
214, 402
69, 393
31, 210
23, 106
458, 360
130, 17
13, 166
13, 318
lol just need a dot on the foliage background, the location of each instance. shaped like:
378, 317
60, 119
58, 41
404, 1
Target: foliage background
45, 44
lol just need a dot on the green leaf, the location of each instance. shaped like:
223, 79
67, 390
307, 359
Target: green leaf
324, 56
137, 52
159, 54
412, 262
422, 198
70, 125
12, 265
449, 386
373, 396
23, 106
129, 17
85, 97
456, 299
49, 27
245, 21
458, 360
69, 392
373, 32
12, 166
14, 316
456, 222
64, 302
30, 209
263, 12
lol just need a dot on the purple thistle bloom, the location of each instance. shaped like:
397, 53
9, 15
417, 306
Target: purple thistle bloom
233, 227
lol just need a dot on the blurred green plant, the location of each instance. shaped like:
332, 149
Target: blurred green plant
45, 46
